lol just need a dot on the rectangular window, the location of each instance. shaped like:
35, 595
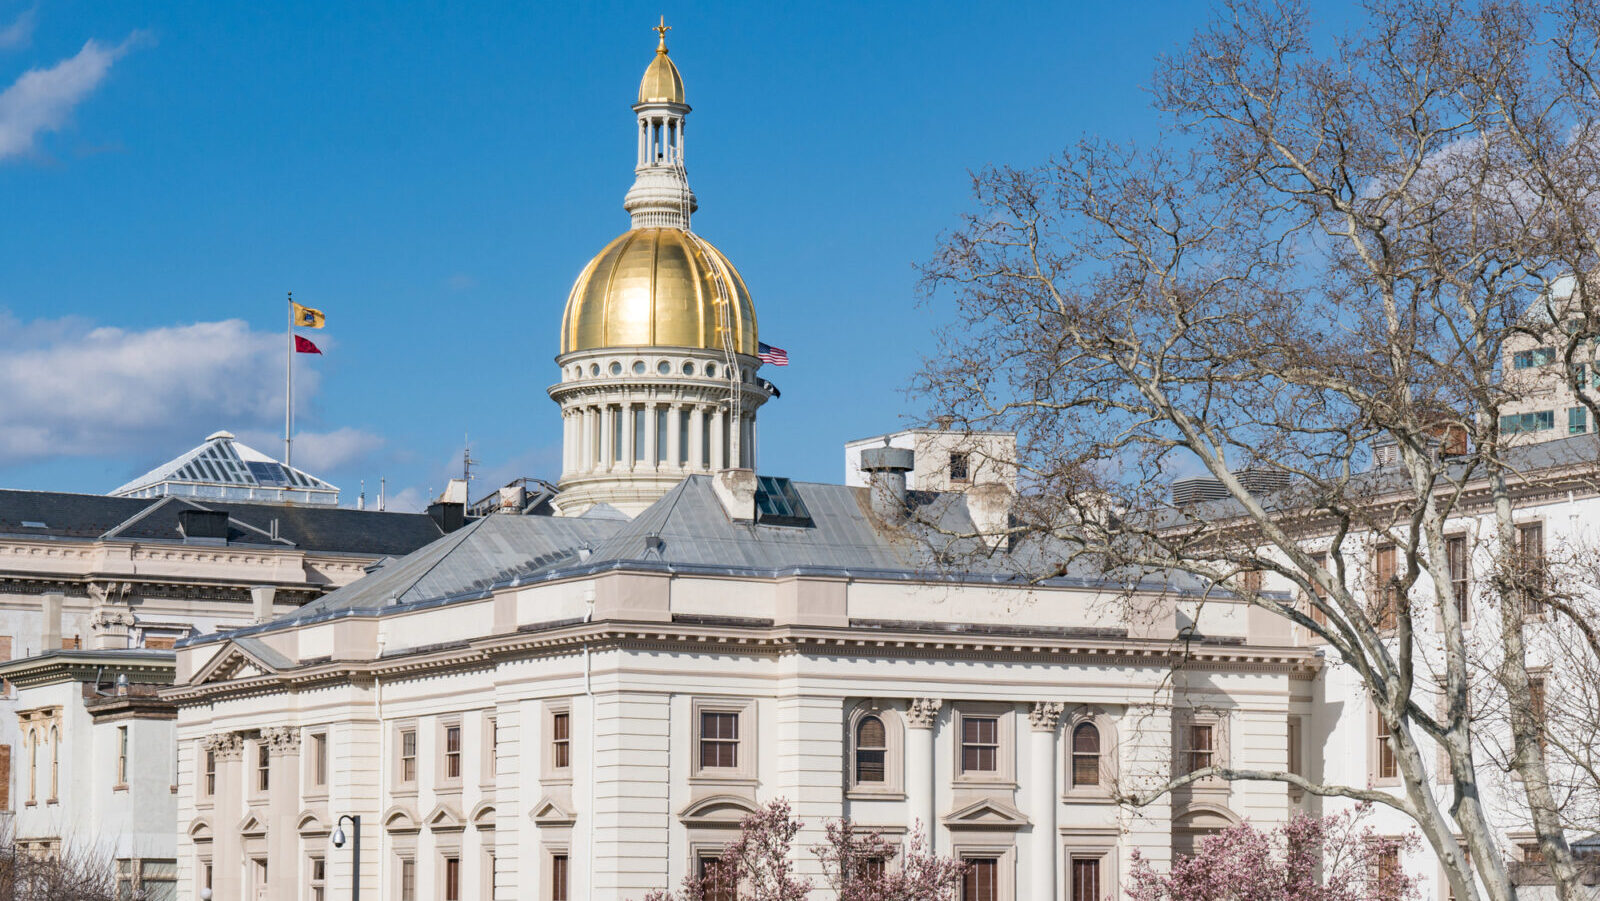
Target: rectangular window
661, 434
1318, 616
1529, 359
638, 433
319, 879
211, 773
263, 767
616, 433
1250, 581
1202, 746
1580, 372
452, 751
705, 442
559, 876
408, 879
491, 766
1388, 864
1536, 704
683, 437
719, 739
1295, 746
452, 879
1522, 359
1531, 567
160, 642
1577, 420
561, 740
1386, 596
707, 866
958, 467
1383, 752
319, 760
1455, 551
1085, 878
408, 755
980, 744
982, 879
1531, 853
122, 755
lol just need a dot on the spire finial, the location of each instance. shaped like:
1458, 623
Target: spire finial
662, 30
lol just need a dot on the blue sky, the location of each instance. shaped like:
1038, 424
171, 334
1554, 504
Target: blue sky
434, 175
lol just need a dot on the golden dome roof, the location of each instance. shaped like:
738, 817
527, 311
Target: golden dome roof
655, 287
661, 82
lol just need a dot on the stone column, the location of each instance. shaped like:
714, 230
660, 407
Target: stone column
283, 842
652, 437
697, 435
1043, 766
586, 442
921, 792
227, 853
674, 434
719, 422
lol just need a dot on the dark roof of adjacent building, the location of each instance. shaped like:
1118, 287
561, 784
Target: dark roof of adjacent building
59, 515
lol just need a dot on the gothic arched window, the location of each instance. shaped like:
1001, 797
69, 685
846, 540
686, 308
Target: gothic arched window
872, 747
1086, 755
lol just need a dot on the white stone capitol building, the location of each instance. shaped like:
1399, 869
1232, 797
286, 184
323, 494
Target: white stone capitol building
585, 705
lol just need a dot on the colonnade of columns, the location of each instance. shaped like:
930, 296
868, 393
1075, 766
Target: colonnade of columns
921, 782
652, 437
660, 140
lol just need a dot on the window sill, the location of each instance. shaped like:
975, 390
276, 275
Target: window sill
1087, 796
713, 777
30, 803
408, 790
858, 793
121, 787
320, 793
997, 781
557, 777
52, 802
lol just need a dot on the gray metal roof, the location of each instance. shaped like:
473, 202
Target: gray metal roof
484, 552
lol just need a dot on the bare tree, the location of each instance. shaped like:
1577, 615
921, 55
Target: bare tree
1332, 247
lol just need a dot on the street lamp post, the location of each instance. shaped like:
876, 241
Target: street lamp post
355, 851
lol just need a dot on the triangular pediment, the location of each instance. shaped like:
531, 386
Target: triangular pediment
717, 810
230, 664
986, 813
253, 824
548, 812
445, 818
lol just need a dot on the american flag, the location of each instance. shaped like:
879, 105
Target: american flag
772, 356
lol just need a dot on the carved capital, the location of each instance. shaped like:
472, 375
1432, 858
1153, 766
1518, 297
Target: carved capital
1045, 715
923, 712
225, 745
281, 739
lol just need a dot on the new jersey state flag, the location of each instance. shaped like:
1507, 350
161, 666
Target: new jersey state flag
306, 317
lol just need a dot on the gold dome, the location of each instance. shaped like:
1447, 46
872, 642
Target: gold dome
661, 82
654, 287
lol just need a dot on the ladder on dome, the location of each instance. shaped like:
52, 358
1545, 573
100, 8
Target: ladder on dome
723, 304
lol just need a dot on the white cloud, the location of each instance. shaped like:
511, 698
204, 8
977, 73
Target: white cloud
76, 390
43, 99
411, 500
317, 452
20, 32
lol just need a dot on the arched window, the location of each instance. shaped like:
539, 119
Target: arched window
872, 747
1085, 755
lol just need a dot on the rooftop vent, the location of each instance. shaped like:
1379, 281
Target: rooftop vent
778, 504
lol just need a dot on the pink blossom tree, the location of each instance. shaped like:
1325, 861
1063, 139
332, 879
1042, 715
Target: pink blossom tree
865, 866
859, 866
1333, 858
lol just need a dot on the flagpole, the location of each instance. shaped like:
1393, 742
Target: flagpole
288, 383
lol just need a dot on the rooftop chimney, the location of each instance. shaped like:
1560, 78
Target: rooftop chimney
886, 469
52, 622
736, 488
261, 598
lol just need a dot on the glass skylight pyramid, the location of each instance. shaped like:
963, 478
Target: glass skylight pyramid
225, 469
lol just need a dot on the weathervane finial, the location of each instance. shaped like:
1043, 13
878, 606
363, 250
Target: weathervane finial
662, 30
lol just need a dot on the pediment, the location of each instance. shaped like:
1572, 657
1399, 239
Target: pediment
253, 824
1205, 817
400, 819
717, 810
550, 813
199, 830
230, 664
445, 818
309, 822
482, 816
987, 813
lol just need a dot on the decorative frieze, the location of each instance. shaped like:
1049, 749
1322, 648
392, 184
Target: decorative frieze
1045, 715
923, 712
